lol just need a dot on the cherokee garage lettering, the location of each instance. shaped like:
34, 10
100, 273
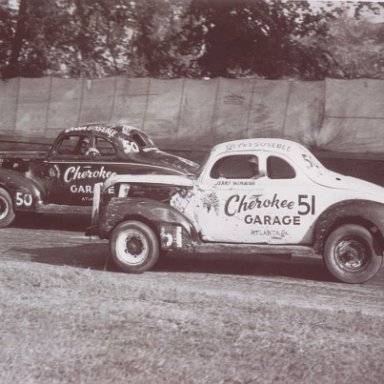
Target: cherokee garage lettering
84, 173
81, 188
272, 220
237, 204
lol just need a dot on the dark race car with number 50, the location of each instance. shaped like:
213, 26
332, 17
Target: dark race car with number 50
62, 180
251, 196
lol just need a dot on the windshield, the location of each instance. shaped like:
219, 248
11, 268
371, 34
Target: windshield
202, 164
142, 140
135, 142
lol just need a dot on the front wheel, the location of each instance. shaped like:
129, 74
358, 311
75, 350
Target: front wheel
350, 256
7, 214
134, 247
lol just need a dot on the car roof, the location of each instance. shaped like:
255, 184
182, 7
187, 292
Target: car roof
108, 130
282, 146
279, 145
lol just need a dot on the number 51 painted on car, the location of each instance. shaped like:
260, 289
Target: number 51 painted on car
252, 196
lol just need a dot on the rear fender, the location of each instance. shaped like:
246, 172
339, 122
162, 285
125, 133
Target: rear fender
173, 229
368, 214
26, 193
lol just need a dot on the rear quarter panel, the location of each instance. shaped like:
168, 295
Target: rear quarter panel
25, 192
149, 211
367, 213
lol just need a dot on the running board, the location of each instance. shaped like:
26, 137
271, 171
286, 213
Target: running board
65, 209
262, 249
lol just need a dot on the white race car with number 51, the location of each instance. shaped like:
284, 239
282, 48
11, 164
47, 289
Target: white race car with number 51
254, 196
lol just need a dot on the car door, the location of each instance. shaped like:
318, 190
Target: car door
221, 194
277, 206
75, 166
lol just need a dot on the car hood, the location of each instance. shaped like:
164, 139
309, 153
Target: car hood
361, 188
174, 180
177, 164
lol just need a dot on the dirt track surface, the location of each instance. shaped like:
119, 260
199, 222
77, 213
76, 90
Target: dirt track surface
264, 314
56, 241
59, 240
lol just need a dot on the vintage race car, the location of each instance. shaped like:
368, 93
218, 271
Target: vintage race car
62, 180
253, 196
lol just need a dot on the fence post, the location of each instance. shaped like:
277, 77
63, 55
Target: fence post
113, 99
48, 105
290, 82
246, 133
81, 100
146, 104
180, 107
215, 107
16, 105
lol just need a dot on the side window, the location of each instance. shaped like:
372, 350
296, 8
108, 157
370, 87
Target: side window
105, 147
236, 167
69, 145
277, 168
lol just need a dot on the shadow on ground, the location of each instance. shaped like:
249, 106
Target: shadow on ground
50, 221
96, 256
92, 256
258, 265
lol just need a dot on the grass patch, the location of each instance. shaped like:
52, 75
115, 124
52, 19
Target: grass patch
74, 325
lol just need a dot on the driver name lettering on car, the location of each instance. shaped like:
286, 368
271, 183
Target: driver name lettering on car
245, 182
235, 183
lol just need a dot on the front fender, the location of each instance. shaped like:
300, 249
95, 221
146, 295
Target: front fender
25, 192
148, 210
367, 213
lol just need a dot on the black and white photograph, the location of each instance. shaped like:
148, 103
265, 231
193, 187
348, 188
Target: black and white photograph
191, 192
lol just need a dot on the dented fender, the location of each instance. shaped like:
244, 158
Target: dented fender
26, 193
165, 219
363, 212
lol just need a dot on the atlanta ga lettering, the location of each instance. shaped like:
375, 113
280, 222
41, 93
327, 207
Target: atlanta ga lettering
273, 233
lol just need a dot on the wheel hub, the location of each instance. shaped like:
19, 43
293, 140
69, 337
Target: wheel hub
134, 246
352, 255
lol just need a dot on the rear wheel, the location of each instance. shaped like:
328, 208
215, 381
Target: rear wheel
134, 246
350, 255
7, 214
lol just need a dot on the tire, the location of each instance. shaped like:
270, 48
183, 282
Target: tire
350, 256
134, 247
7, 214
